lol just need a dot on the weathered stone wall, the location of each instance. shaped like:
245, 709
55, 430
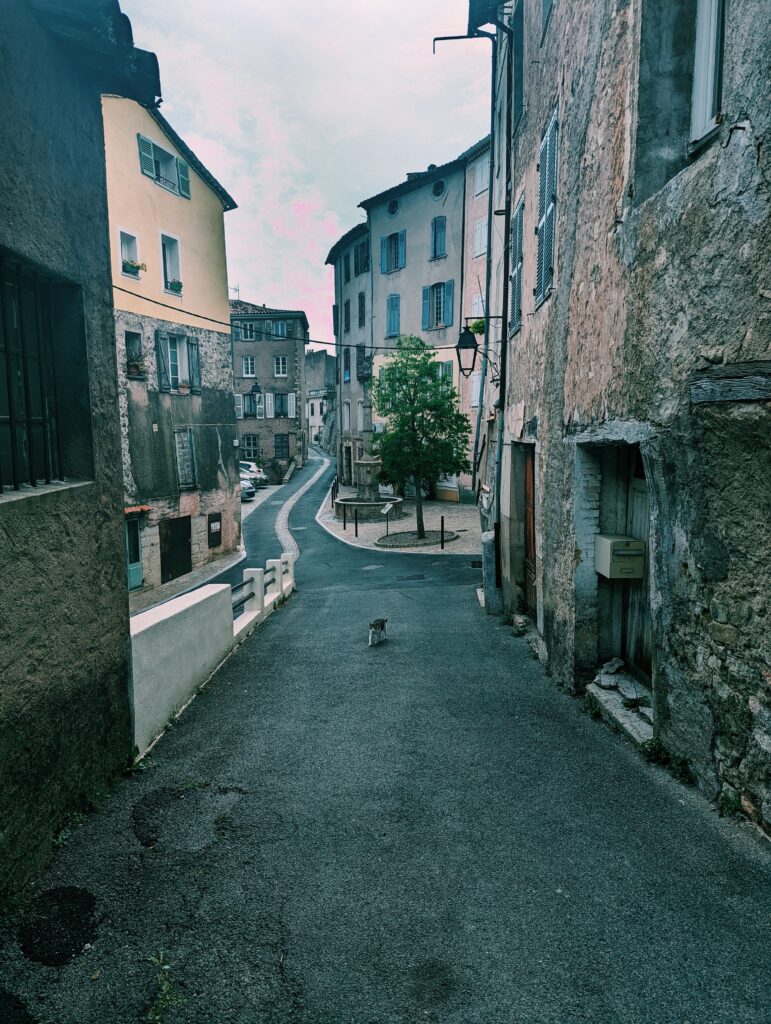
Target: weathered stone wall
64, 710
149, 419
651, 285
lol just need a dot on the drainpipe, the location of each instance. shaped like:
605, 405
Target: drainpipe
501, 403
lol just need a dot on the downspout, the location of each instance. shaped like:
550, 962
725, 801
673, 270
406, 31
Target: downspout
501, 403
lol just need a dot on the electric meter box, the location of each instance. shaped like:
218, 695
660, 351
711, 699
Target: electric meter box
619, 557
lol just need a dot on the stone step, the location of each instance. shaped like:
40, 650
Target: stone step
610, 704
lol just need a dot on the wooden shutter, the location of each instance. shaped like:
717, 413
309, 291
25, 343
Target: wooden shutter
384, 255
162, 360
426, 322
441, 236
270, 406
259, 406
335, 320
238, 401
194, 364
146, 157
402, 250
551, 208
236, 331
183, 178
291, 405
515, 257
183, 440
543, 167
449, 297
432, 248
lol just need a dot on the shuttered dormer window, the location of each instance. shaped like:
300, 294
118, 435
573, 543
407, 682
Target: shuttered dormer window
163, 167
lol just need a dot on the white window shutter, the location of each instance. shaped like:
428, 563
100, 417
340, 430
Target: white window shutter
270, 405
239, 403
292, 405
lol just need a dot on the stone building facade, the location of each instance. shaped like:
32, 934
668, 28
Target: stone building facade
65, 724
268, 384
181, 483
352, 316
637, 374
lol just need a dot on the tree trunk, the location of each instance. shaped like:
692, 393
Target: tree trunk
419, 507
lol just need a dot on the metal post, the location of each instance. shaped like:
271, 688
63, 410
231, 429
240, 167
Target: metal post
388, 514
441, 533
343, 515
356, 522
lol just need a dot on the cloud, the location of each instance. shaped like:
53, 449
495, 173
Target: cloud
302, 112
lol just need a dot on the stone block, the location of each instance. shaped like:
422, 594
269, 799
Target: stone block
723, 633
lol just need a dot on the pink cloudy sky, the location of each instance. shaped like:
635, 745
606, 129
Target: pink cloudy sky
302, 110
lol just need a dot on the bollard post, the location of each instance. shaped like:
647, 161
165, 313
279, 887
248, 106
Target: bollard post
356, 522
289, 558
441, 533
387, 518
278, 579
343, 515
256, 603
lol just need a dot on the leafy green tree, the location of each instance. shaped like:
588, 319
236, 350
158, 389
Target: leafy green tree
426, 435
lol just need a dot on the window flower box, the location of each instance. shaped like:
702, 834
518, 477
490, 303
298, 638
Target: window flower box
174, 286
132, 267
136, 369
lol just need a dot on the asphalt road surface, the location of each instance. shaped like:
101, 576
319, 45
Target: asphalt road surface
427, 830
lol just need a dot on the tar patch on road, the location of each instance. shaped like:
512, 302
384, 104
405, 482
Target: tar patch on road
58, 925
13, 1010
432, 982
183, 819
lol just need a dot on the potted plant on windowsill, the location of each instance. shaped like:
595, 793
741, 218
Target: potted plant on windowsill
133, 267
174, 286
184, 389
136, 369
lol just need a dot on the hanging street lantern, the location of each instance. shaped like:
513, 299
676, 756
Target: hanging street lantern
466, 350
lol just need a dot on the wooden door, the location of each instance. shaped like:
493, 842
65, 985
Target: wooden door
636, 637
176, 557
530, 592
134, 553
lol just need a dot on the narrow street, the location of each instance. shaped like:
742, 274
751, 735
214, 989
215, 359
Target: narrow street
425, 830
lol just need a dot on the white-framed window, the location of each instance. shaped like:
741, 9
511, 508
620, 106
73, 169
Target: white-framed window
247, 330
163, 167
481, 174
129, 254
247, 366
238, 402
279, 366
250, 447
708, 58
393, 252
279, 329
183, 444
480, 236
437, 305
547, 211
170, 260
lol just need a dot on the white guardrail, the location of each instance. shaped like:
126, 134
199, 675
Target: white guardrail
176, 646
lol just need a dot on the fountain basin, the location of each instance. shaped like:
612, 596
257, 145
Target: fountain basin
369, 511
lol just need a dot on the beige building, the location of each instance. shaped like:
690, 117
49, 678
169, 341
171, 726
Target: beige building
170, 294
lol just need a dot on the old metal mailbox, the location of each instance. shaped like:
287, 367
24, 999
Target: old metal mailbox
215, 529
619, 557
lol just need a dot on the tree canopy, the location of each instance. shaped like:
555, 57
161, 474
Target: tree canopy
426, 436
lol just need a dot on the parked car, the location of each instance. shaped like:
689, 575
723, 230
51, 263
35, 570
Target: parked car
247, 489
258, 476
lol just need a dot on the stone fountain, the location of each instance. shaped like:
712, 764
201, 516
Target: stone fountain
367, 501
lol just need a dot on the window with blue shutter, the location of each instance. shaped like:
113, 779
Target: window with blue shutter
393, 316
402, 261
449, 298
384, 254
515, 262
438, 237
547, 211
426, 318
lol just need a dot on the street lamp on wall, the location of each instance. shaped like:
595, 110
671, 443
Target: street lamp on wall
466, 351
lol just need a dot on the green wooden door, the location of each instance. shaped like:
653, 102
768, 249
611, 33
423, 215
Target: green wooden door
134, 553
